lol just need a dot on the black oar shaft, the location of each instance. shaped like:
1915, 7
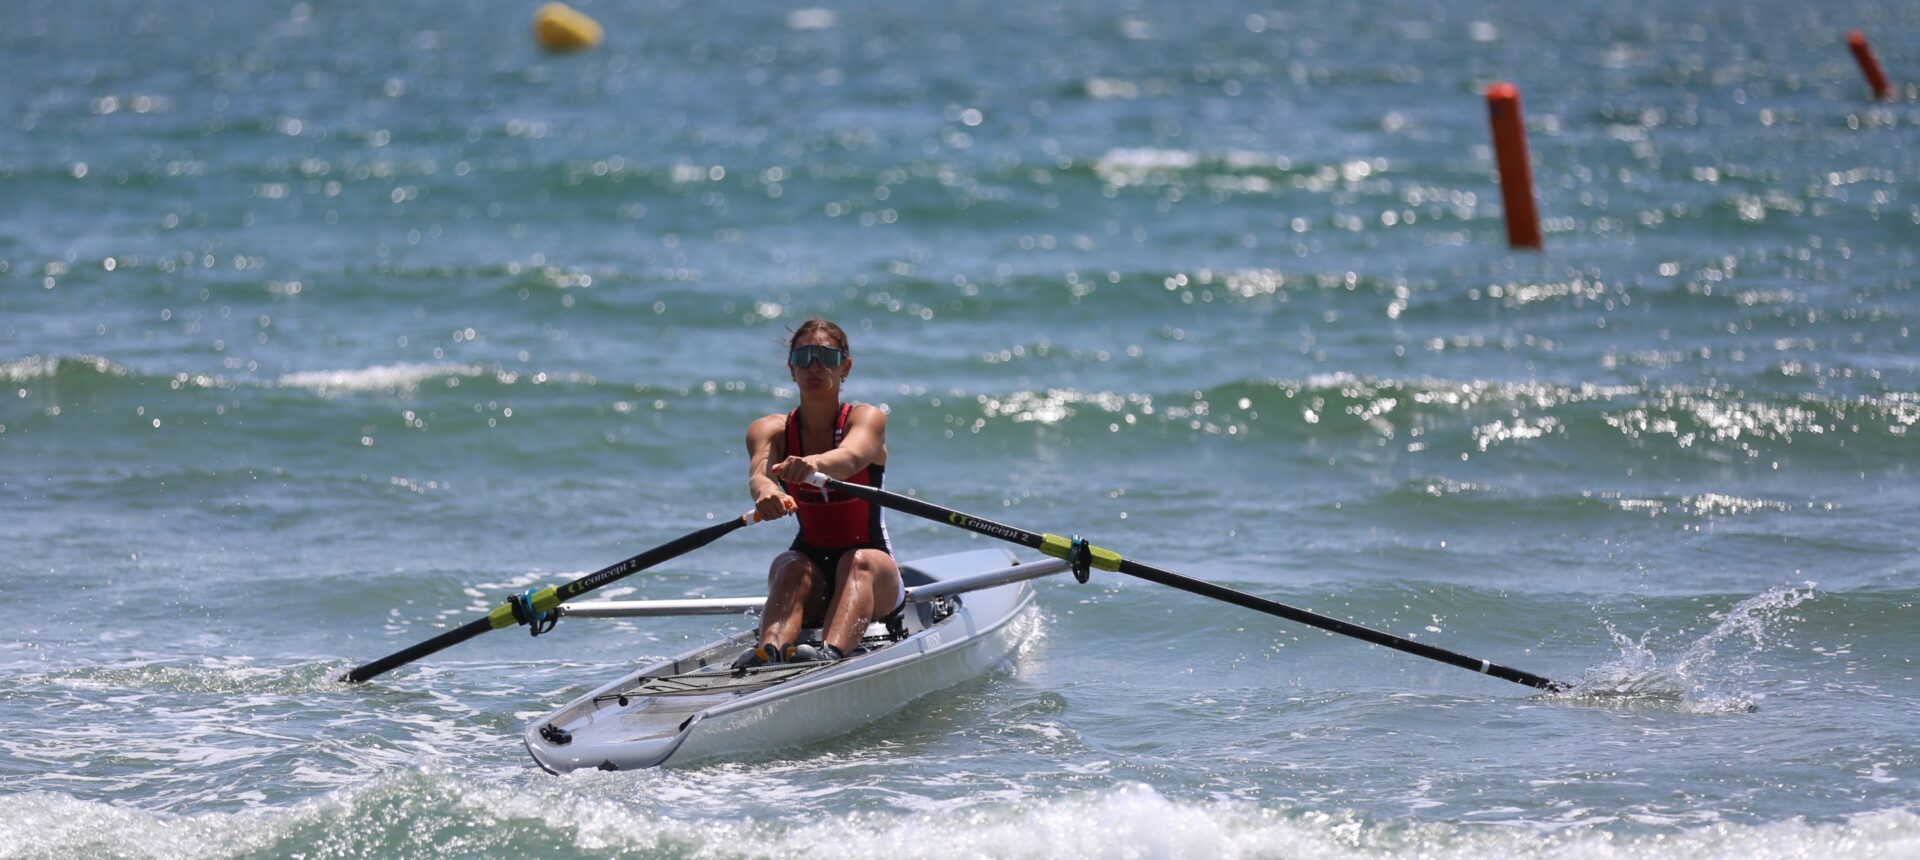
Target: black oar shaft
402, 657
906, 504
1053, 545
671, 549
1334, 625
546, 599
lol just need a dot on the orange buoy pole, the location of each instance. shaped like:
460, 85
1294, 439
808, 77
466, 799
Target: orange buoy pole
1516, 174
1869, 65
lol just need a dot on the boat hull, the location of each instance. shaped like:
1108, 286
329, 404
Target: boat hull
691, 707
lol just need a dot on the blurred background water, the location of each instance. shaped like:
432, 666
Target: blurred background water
324, 325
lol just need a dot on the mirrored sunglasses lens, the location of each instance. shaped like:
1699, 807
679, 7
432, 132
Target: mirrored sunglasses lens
806, 355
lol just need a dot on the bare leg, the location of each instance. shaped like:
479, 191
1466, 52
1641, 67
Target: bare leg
793, 585
869, 586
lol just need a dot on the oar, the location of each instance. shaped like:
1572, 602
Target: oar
1083, 554
531, 608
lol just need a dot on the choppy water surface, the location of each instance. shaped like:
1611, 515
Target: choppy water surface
324, 326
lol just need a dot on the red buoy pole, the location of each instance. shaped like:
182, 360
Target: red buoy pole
1516, 174
1869, 65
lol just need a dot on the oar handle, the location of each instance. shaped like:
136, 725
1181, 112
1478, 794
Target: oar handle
786, 503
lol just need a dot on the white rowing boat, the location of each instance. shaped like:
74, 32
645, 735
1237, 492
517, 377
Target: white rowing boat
966, 613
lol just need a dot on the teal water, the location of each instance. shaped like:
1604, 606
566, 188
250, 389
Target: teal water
325, 326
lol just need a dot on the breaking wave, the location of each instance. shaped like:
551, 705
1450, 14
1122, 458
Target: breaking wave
427, 812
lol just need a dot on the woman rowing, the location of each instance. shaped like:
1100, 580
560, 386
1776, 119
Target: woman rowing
839, 569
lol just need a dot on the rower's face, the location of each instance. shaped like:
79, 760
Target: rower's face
816, 376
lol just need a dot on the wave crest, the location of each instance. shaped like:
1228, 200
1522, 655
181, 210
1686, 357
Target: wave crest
399, 378
39, 367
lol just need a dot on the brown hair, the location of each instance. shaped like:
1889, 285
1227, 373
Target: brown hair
817, 325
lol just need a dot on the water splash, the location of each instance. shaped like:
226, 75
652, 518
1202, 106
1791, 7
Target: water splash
1696, 681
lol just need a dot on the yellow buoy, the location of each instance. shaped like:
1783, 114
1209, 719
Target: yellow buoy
561, 28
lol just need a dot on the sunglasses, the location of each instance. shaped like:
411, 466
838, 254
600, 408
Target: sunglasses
827, 356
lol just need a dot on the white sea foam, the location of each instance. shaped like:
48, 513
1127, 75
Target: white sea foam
390, 377
419, 814
44, 366
1111, 88
1124, 166
811, 18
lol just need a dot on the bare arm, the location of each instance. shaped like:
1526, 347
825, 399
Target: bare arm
765, 445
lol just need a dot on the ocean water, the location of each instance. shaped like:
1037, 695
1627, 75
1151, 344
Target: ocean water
325, 326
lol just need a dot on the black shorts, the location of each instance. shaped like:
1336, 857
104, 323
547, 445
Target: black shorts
827, 561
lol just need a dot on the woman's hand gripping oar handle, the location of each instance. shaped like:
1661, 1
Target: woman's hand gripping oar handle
535, 607
786, 504
1084, 555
